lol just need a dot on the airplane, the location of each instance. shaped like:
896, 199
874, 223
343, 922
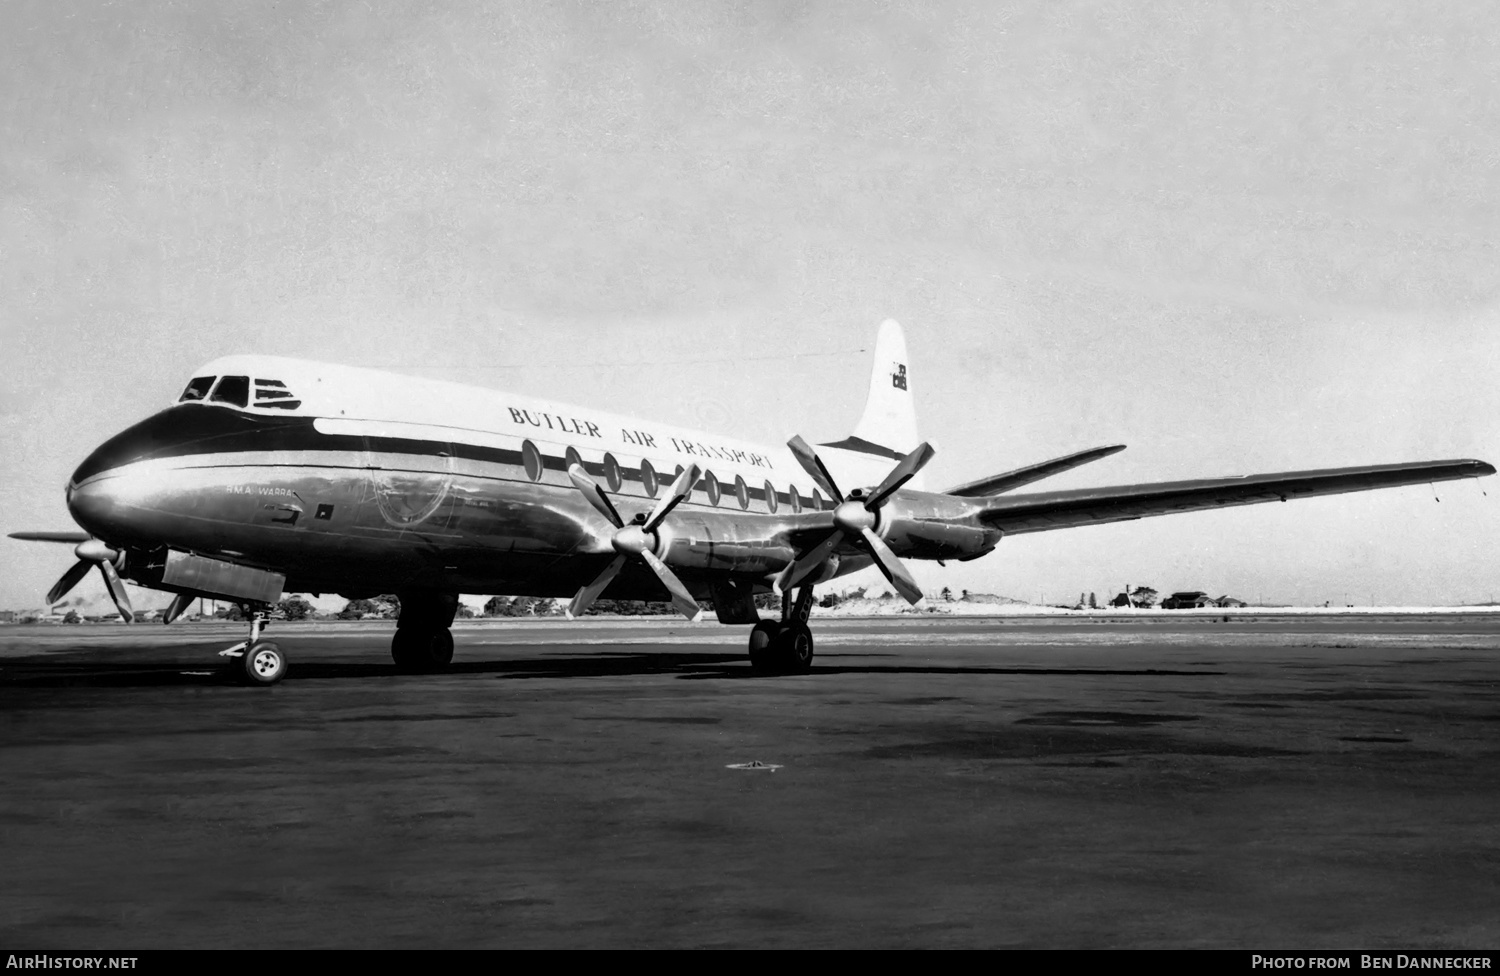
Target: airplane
270, 474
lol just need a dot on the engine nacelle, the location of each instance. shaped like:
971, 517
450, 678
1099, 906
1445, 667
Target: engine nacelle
940, 539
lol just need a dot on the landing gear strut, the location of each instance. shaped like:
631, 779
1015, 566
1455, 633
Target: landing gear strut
785, 646
423, 642
255, 661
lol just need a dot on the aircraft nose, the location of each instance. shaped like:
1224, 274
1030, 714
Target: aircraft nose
91, 506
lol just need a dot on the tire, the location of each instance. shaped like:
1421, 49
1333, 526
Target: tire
763, 640
795, 649
262, 664
422, 650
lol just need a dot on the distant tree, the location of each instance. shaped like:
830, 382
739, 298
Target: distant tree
1093, 603
231, 611
1143, 596
495, 606
465, 611
295, 608
830, 600
630, 608
391, 608
356, 609
72, 617
947, 595
767, 601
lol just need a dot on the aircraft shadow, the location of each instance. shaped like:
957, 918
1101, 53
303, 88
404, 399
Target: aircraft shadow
43, 673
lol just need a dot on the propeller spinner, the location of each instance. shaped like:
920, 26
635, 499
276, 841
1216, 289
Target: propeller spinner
639, 538
856, 517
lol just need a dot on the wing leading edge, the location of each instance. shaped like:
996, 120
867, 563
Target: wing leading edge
1094, 506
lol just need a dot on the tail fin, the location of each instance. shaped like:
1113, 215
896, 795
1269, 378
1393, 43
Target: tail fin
887, 430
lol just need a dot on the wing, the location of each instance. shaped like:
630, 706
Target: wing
1094, 506
1010, 480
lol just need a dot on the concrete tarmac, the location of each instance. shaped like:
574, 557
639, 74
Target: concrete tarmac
1066, 782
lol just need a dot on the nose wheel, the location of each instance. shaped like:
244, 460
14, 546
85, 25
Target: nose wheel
263, 664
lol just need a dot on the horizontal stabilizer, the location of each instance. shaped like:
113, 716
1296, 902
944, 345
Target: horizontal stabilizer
72, 538
1094, 506
1010, 480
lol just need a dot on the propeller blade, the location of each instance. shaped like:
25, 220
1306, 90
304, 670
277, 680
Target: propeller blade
595, 495
69, 580
809, 562
179, 603
117, 591
681, 488
904, 471
73, 537
681, 598
892, 567
588, 594
814, 467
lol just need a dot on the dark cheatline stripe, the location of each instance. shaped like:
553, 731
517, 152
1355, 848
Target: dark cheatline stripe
192, 429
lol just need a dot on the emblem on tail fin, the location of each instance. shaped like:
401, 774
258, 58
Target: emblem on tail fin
898, 376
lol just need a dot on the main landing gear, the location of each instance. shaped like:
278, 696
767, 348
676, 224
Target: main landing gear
785, 646
423, 642
255, 661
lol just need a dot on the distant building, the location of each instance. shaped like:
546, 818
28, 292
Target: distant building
1188, 600
1229, 601
7, 616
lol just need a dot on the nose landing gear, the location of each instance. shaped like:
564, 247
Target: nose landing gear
785, 646
255, 661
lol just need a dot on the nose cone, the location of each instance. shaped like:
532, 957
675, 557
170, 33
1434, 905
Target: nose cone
93, 507
96, 494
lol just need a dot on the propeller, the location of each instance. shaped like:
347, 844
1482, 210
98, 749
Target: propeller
856, 517
638, 538
92, 552
179, 603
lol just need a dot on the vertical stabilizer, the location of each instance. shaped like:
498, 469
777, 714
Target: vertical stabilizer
887, 431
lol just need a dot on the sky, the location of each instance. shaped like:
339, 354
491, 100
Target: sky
1235, 237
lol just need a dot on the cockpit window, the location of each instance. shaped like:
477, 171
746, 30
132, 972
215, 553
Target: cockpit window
273, 395
197, 389
232, 389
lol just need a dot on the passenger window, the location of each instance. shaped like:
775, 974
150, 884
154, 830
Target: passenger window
770, 498
648, 478
532, 459
678, 474
612, 472
795, 497
711, 483
232, 389
572, 457
742, 491
197, 389
817, 501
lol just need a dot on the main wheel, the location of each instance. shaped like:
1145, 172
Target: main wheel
262, 664
763, 645
795, 649
417, 650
